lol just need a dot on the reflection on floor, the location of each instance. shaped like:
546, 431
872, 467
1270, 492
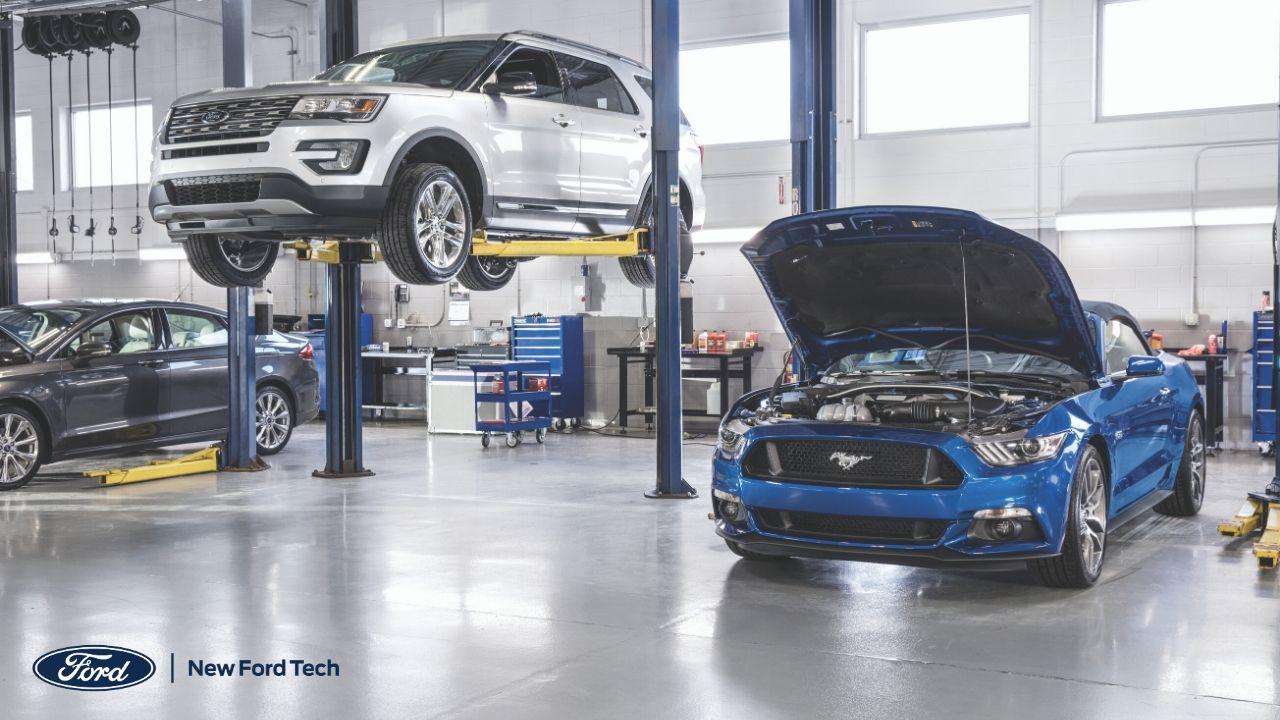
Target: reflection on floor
537, 582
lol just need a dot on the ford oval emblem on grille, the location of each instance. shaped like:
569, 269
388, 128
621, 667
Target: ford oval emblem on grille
94, 667
213, 117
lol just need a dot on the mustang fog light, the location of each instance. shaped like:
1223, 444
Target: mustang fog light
1004, 451
332, 157
730, 507
1003, 525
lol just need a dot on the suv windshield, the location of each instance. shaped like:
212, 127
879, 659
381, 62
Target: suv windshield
37, 327
954, 360
439, 65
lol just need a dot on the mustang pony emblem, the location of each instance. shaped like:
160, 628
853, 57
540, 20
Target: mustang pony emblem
846, 461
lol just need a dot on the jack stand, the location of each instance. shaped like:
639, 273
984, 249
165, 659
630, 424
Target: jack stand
1259, 511
343, 424
203, 461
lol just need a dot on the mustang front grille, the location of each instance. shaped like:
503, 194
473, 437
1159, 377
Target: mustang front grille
214, 189
850, 527
227, 120
853, 463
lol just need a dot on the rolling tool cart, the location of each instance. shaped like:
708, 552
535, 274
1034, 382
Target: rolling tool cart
557, 341
521, 391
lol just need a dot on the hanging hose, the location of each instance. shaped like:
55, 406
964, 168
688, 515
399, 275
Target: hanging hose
137, 171
111, 155
53, 170
92, 230
72, 227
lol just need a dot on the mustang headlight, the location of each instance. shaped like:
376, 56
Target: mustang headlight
730, 440
1003, 452
348, 108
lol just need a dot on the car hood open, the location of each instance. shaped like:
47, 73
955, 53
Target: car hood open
843, 281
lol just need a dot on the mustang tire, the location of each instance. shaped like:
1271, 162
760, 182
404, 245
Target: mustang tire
425, 230
1085, 546
486, 273
1188, 488
231, 262
20, 449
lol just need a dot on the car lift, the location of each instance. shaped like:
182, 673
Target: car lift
201, 461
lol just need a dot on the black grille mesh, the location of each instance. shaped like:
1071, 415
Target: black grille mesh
214, 189
850, 527
250, 117
853, 463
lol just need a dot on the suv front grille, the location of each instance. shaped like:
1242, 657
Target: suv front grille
214, 189
228, 120
853, 463
850, 527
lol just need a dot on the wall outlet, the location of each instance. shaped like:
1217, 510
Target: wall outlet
386, 322
399, 323
1191, 319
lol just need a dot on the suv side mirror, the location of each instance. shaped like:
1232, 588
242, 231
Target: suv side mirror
1140, 366
89, 350
518, 83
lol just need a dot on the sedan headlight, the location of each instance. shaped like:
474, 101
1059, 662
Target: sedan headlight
348, 108
730, 440
1003, 452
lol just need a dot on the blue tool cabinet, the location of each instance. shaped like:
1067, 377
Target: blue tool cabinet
1264, 412
558, 342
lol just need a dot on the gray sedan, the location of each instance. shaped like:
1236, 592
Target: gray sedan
89, 377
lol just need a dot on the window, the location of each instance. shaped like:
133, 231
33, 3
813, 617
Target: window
595, 86
441, 65
24, 153
646, 84
38, 327
109, 141
1158, 56
192, 330
1120, 343
538, 63
738, 93
973, 72
126, 334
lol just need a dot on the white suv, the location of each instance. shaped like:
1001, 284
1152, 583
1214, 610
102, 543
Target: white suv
417, 146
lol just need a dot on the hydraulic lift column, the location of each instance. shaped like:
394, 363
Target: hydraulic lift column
666, 245
813, 105
8, 170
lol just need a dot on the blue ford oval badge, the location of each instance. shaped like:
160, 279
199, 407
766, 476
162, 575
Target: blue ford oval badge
94, 667
213, 117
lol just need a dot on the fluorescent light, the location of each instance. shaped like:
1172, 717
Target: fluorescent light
736, 236
162, 253
1123, 220
1256, 215
43, 257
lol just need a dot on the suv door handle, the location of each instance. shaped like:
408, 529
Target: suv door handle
640, 130
561, 119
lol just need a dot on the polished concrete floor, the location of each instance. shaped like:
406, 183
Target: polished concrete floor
539, 583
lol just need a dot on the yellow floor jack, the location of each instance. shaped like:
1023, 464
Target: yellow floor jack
201, 461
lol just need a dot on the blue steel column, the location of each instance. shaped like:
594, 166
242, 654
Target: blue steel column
241, 452
813, 105
8, 170
666, 245
343, 424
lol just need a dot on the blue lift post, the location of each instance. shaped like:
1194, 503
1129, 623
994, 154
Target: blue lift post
8, 170
343, 425
666, 245
241, 452
813, 105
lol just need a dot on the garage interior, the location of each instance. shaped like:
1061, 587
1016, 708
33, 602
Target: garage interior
1134, 139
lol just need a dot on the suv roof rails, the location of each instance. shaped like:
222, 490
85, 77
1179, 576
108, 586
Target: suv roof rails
575, 44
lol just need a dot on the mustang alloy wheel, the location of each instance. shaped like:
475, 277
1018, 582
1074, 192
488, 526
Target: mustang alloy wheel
426, 226
19, 448
1084, 545
274, 420
1188, 486
231, 262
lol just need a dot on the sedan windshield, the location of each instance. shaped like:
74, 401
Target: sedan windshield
438, 65
952, 361
37, 326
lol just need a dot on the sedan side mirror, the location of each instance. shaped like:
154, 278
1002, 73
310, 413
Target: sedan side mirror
1140, 366
518, 83
90, 350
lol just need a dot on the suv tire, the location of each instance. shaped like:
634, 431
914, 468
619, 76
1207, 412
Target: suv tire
642, 270
425, 230
486, 273
231, 262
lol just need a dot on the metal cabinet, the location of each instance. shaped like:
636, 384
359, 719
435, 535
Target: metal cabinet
1264, 411
557, 341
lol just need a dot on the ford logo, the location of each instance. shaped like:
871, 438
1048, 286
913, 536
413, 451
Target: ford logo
94, 667
213, 117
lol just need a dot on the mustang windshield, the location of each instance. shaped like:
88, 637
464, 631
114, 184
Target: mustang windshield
951, 360
438, 65
37, 327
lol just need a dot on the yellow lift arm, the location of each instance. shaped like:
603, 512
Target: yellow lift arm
204, 461
1259, 511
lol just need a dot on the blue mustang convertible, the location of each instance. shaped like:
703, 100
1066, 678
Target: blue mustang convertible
957, 402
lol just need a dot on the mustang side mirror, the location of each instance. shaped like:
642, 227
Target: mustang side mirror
516, 83
90, 350
1140, 366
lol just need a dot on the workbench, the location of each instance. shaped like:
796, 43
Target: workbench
382, 363
735, 364
1212, 377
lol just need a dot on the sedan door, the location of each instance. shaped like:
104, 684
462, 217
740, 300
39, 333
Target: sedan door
117, 399
197, 371
1139, 418
615, 145
534, 150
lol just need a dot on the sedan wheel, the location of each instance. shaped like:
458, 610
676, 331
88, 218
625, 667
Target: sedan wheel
19, 449
274, 421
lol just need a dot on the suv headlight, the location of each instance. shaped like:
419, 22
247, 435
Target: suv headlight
730, 439
1003, 452
348, 108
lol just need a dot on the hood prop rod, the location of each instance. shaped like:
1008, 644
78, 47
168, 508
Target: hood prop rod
968, 354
